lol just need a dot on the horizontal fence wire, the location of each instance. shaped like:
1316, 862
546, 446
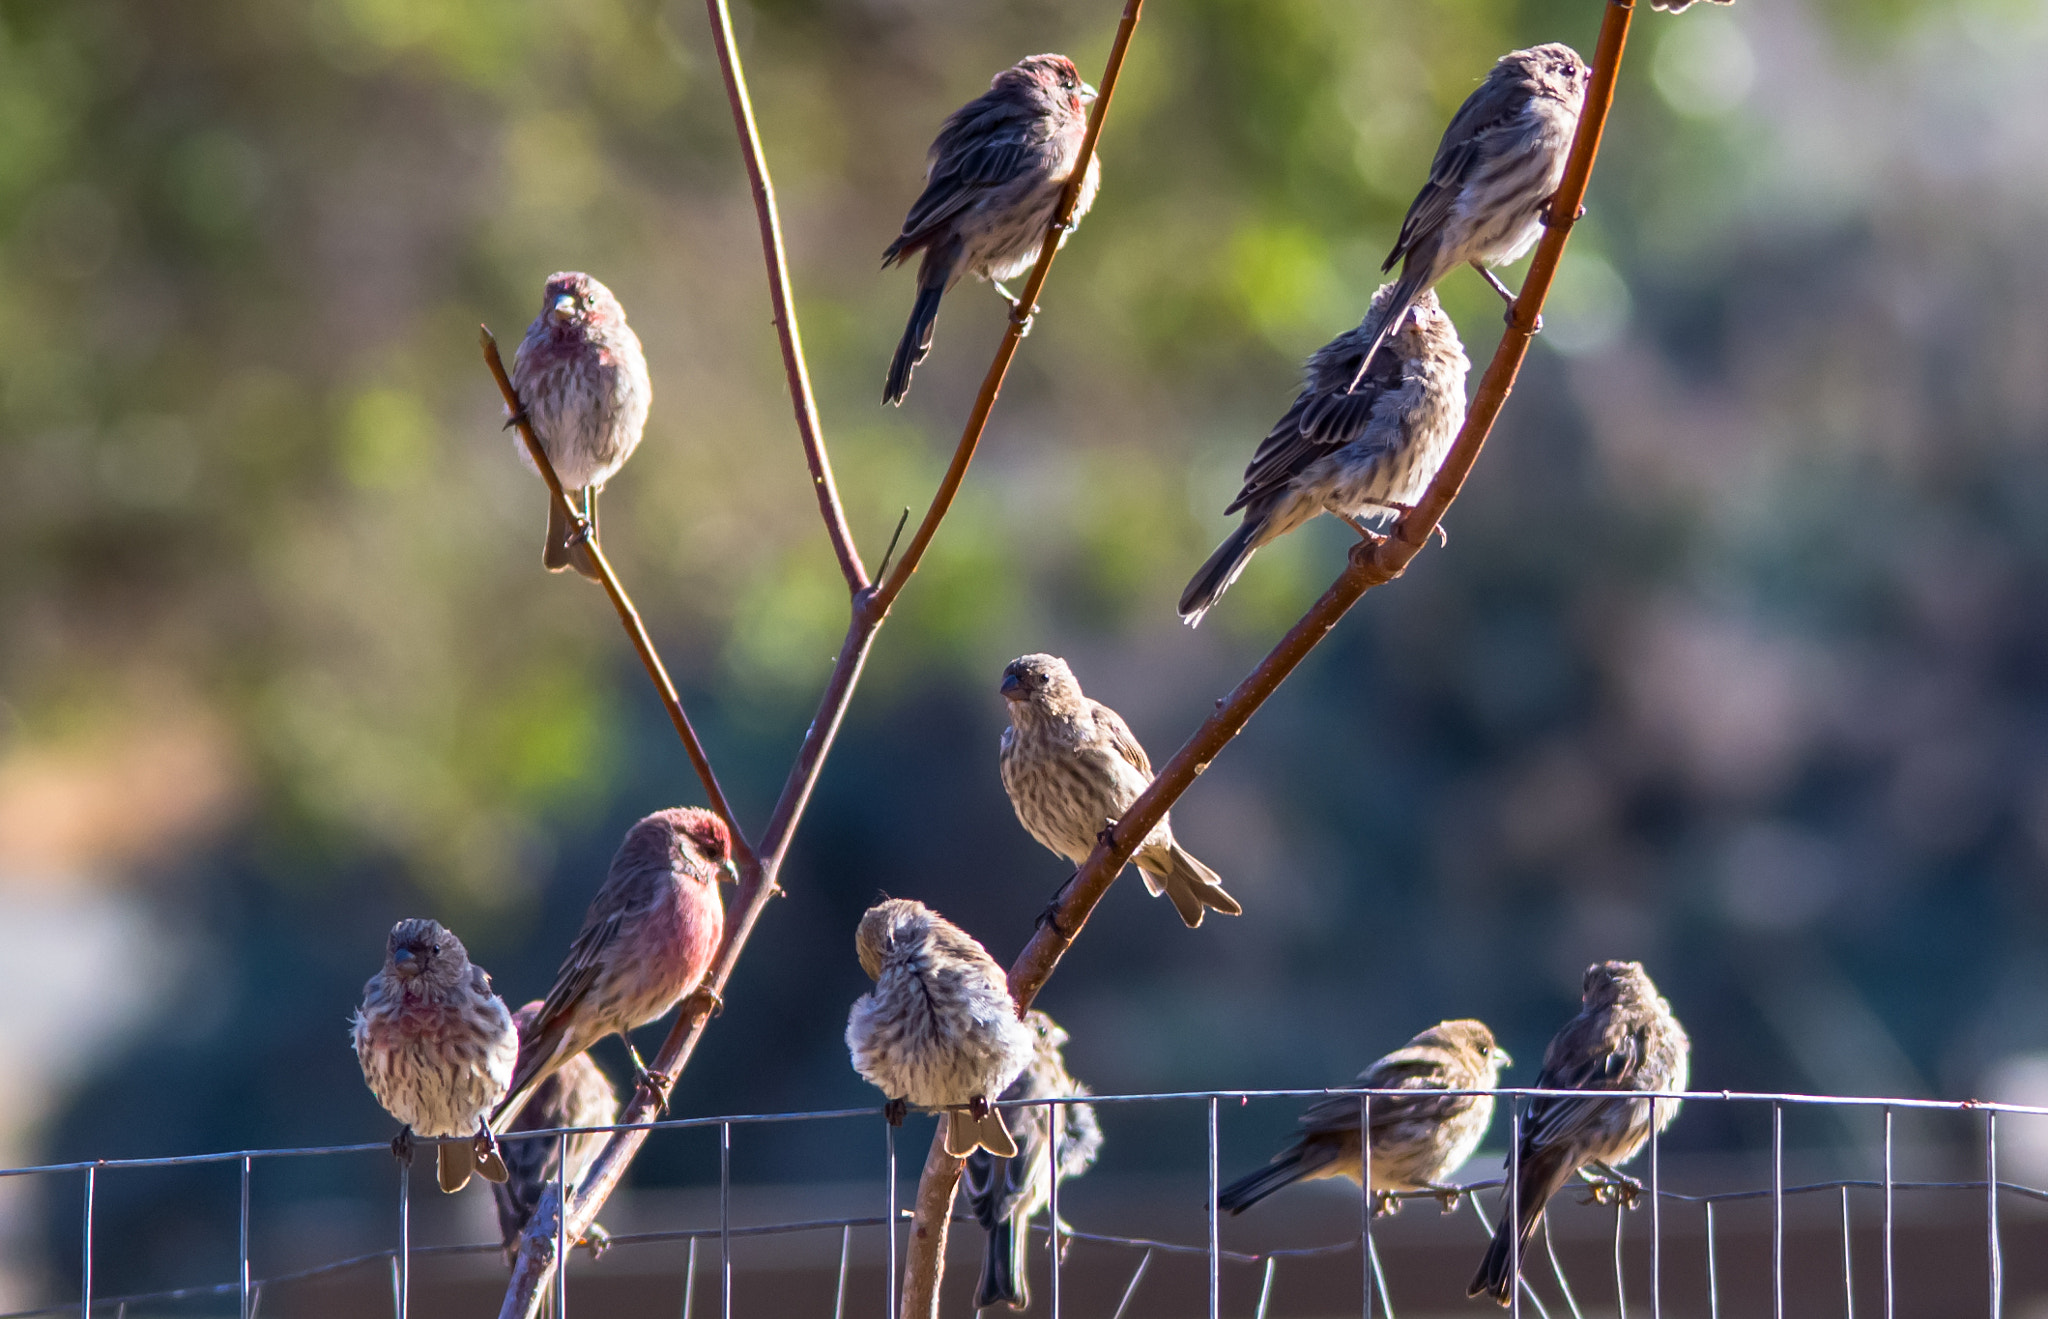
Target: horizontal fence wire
247, 1288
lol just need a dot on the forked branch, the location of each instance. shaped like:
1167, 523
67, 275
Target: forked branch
1370, 564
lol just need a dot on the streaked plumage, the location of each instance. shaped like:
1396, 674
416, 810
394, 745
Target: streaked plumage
940, 1029
1367, 452
574, 1095
1624, 1039
992, 187
437, 1047
1072, 766
1006, 1194
1419, 1138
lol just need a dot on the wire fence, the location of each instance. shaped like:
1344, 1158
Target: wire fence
1374, 1296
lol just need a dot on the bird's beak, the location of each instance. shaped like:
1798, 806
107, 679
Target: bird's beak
406, 962
564, 307
731, 869
1501, 1056
1087, 94
1013, 687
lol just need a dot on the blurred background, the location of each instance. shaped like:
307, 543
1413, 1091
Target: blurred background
1736, 661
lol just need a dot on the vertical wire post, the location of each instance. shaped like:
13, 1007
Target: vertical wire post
1777, 1211
404, 1277
1513, 1218
1052, 1199
1713, 1272
1656, 1224
845, 1256
690, 1279
1848, 1264
1131, 1288
244, 1276
1215, 1257
889, 1278
1620, 1282
85, 1282
1266, 1288
1364, 1197
562, 1226
1991, 1212
1887, 1212
725, 1220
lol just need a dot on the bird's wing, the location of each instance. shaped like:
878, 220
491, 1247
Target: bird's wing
1491, 104
1323, 418
578, 972
1422, 1082
981, 147
1121, 738
1557, 1122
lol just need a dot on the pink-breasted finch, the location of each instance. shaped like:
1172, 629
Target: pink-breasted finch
992, 187
582, 383
437, 1048
647, 940
1364, 453
1624, 1039
1072, 767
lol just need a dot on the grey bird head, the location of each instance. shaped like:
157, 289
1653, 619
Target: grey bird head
888, 930
1049, 79
1041, 681
421, 951
1608, 983
1552, 69
574, 302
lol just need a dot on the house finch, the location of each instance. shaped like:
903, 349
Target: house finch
992, 185
1006, 1194
437, 1048
1624, 1039
576, 1095
940, 1029
1072, 767
582, 383
1494, 171
1419, 1138
647, 940
1369, 452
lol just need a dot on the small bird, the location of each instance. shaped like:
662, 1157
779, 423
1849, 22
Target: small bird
940, 1029
576, 1095
1499, 162
1072, 767
992, 186
1006, 1194
1368, 452
583, 387
1624, 1039
1419, 1138
437, 1048
647, 940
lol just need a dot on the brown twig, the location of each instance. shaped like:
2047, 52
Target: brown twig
1370, 564
629, 617
779, 296
870, 606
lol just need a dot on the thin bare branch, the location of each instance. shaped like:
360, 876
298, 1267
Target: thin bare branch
629, 617
784, 302
1370, 564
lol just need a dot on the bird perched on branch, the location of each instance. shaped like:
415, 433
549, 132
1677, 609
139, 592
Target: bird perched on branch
582, 383
646, 942
1006, 1194
575, 1095
992, 188
1368, 452
1072, 767
1495, 170
1419, 1137
437, 1048
1624, 1039
940, 1029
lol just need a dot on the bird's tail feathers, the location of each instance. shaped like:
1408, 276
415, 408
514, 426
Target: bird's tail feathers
1003, 1268
1391, 313
1214, 577
1193, 888
1293, 1166
454, 1162
1541, 1177
966, 1133
916, 342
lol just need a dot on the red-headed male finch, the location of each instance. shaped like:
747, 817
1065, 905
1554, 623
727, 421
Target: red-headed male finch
1624, 1039
940, 1029
1368, 452
576, 1095
1006, 1194
1072, 767
1499, 162
1419, 1137
437, 1047
992, 185
582, 381
647, 940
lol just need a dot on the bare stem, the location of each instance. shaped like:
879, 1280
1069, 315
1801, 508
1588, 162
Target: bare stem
629, 617
800, 398
1369, 565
